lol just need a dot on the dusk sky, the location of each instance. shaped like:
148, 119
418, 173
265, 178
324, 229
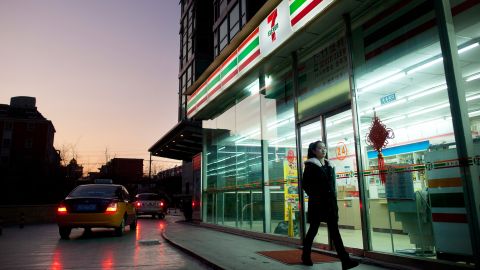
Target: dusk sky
104, 72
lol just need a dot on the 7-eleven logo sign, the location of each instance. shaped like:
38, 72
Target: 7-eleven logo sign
271, 20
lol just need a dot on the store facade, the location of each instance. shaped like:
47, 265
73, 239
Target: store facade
325, 70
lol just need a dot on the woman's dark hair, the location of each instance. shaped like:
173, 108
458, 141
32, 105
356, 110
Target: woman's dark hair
311, 149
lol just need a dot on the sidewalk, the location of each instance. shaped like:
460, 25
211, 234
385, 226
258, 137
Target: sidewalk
228, 251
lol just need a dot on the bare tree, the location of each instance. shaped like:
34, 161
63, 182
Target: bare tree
67, 153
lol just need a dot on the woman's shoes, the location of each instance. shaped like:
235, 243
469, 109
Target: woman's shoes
349, 264
306, 260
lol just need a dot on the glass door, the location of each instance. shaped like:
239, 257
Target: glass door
337, 132
341, 153
310, 132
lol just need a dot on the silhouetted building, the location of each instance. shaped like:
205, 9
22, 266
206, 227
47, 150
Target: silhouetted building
27, 155
123, 170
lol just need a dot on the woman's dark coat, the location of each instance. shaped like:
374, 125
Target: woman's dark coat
319, 184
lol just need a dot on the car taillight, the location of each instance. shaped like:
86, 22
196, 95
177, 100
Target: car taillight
138, 204
112, 208
161, 204
62, 210
193, 204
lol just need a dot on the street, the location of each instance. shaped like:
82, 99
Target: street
40, 247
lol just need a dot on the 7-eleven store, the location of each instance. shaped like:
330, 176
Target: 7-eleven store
301, 71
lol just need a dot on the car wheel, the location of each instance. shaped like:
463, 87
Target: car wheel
133, 225
161, 216
64, 232
120, 229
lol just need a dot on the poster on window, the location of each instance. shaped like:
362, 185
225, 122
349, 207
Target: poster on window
291, 182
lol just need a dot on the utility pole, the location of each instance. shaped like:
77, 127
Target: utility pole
150, 167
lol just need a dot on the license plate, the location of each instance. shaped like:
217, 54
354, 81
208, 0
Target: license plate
86, 207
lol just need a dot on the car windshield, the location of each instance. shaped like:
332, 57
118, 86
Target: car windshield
148, 197
94, 191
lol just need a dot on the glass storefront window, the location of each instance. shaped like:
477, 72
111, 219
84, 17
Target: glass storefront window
399, 77
280, 149
233, 163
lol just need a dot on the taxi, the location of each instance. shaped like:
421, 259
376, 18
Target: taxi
96, 206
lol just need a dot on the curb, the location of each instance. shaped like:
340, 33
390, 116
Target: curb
193, 254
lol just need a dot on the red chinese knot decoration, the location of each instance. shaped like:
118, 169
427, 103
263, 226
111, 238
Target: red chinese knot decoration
377, 138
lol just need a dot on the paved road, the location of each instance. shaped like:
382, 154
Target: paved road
40, 247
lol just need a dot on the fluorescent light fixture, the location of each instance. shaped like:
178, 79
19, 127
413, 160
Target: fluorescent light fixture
430, 63
474, 97
473, 114
431, 109
254, 87
428, 92
279, 123
383, 81
394, 119
341, 120
391, 104
268, 80
221, 148
469, 47
473, 77
253, 133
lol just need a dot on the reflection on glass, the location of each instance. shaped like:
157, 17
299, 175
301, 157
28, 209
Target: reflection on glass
280, 148
341, 153
233, 164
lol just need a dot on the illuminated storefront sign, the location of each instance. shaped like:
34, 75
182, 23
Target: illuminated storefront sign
275, 29
287, 18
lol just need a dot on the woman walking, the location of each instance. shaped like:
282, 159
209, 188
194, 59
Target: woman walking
319, 184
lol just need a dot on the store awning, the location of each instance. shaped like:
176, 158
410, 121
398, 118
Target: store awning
182, 142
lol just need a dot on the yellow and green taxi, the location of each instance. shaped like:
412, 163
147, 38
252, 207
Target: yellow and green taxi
96, 205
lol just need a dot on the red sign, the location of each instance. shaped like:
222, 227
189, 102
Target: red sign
197, 162
291, 156
342, 151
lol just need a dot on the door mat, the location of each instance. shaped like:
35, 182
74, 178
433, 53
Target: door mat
294, 256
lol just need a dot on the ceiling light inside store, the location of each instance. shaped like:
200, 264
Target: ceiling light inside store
254, 87
394, 119
382, 82
341, 120
473, 114
473, 77
280, 123
268, 80
389, 105
428, 92
431, 109
427, 64
411, 69
470, 98
469, 47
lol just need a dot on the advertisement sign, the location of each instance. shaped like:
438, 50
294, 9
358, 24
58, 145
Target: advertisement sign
291, 182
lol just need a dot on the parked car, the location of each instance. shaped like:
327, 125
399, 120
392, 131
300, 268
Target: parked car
150, 204
96, 205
